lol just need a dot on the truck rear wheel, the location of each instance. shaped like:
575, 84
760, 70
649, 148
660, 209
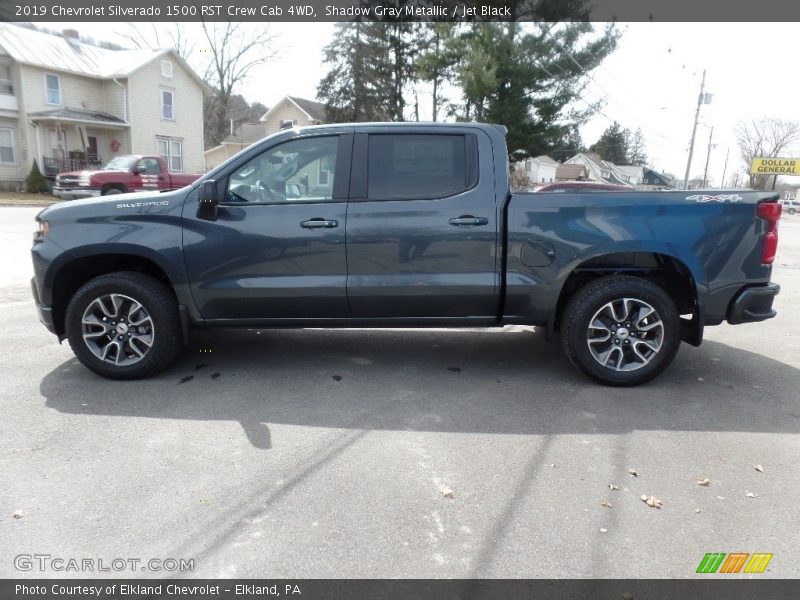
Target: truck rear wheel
124, 325
621, 330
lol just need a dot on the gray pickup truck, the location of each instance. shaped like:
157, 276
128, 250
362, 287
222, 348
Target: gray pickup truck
400, 225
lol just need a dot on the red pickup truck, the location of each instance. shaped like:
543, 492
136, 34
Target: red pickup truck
132, 173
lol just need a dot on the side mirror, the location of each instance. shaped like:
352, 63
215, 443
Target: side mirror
207, 205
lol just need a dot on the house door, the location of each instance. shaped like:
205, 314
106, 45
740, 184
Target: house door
91, 150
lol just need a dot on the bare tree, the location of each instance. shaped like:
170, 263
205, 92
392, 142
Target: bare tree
767, 138
234, 49
139, 35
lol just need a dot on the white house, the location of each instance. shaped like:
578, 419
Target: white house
541, 169
600, 170
70, 105
290, 111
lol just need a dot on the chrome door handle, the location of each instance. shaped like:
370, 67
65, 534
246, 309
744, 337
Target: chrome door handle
319, 224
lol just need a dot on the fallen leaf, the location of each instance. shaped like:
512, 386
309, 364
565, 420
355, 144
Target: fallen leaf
611, 486
448, 493
633, 472
651, 501
17, 514
750, 495
606, 503
627, 596
704, 482
700, 379
758, 468
603, 530
720, 498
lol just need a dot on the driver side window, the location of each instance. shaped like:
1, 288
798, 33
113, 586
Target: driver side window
298, 170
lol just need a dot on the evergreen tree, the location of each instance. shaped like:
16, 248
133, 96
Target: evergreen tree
613, 145
637, 152
441, 50
36, 183
529, 77
568, 146
369, 65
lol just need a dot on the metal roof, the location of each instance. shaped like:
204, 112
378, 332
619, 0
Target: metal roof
77, 114
55, 52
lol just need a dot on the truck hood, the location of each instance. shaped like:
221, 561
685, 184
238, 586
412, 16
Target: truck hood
104, 205
79, 174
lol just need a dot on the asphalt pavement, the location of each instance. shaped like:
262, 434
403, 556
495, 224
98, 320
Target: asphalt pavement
426, 453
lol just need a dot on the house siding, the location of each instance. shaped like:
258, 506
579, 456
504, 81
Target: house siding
286, 109
145, 113
76, 91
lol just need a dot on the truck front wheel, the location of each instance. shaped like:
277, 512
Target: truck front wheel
124, 325
621, 330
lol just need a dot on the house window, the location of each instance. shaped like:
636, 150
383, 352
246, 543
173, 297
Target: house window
6, 87
53, 83
172, 153
8, 155
166, 69
168, 105
287, 123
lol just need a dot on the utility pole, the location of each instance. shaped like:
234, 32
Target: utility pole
708, 157
700, 100
725, 168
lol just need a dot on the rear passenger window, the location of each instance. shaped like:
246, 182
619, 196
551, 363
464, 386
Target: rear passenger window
408, 166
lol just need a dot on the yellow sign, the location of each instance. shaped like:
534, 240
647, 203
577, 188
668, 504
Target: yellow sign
775, 166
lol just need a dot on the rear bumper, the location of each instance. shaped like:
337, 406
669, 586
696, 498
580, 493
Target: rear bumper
45, 312
753, 304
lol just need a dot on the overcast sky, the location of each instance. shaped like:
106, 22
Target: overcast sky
651, 81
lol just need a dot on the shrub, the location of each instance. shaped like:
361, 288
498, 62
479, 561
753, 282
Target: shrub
36, 183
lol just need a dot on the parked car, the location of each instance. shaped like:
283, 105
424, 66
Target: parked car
580, 187
122, 174
790, 206
400, 225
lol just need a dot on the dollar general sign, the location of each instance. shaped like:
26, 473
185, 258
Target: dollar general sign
775, 166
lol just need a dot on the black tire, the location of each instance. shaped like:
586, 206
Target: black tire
158, 304
588, 302
112, 190
791, 211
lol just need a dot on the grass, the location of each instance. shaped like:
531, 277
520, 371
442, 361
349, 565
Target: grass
24, 199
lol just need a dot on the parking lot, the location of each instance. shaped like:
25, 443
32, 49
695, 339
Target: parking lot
319, 453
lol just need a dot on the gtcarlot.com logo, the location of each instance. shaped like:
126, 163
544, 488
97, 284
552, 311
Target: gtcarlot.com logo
48, 562
734, 562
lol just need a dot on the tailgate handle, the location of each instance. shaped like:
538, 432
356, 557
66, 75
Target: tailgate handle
469, 221
319, 224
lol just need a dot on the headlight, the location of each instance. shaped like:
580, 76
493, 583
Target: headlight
44, 227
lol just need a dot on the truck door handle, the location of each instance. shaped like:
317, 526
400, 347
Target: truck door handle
469, 221
319, 224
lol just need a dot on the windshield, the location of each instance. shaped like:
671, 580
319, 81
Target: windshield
120, 163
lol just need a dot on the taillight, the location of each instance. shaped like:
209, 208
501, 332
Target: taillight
771, 213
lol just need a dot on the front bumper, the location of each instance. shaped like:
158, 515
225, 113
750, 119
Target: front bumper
753, 304
45, 312
75, 193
